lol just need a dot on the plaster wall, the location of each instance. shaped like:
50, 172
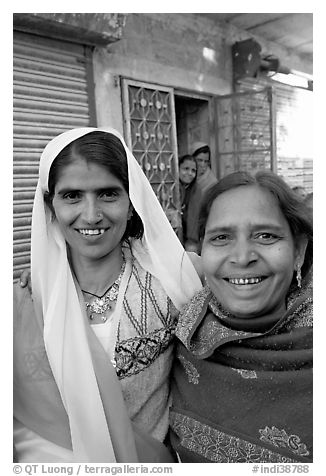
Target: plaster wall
161, 49
178, 50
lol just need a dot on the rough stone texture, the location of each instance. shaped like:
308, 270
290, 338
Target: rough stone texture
181, 50
161, 49
179, 44
87, 28
108, 24
173, 49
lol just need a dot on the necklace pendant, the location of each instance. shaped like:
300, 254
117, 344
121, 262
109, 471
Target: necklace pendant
102, 304
99, 306
103, 316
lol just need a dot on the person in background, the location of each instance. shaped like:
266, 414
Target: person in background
190, 197
205, 176
242, 379
300, 191
93, 343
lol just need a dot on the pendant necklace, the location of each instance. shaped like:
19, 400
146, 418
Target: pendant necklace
100, 305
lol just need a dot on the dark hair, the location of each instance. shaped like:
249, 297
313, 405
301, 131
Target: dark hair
103, 149
183, 158
298, 187
296, 213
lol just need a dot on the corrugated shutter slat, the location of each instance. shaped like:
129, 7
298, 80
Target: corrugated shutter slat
50, 96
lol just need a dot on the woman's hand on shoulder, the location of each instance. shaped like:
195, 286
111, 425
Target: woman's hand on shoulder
25, 280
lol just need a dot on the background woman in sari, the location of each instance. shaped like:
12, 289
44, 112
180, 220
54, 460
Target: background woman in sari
242, 389
190, 198
93, 345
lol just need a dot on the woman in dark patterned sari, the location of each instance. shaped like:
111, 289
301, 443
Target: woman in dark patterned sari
242, 384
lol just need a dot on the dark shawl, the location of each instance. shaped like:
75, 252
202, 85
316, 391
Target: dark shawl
240, 396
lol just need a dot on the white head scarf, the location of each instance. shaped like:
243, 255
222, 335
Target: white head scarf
197, 145
57, 303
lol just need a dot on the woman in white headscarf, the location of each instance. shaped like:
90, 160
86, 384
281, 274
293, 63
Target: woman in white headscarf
93, 344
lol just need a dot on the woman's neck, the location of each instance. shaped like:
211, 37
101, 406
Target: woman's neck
96, 275
255, 324
186, 186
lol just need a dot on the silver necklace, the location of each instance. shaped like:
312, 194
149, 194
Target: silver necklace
102, 304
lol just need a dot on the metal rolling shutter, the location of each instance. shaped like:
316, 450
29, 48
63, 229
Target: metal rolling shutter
50, 96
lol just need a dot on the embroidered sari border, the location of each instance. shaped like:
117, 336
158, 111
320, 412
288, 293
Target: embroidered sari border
220, 447
136, 354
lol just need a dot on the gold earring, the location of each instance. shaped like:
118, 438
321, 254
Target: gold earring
299, 278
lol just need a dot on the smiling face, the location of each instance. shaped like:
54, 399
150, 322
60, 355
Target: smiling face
187, 171
92, 208
248, 253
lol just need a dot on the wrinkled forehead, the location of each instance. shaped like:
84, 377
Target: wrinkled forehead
246, 203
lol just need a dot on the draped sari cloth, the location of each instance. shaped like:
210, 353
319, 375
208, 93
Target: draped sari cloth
88, 413
240, 396
206, 180
191, 197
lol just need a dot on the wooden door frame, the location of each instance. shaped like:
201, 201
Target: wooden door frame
210, 98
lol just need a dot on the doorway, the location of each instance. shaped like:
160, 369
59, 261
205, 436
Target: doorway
192, 122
